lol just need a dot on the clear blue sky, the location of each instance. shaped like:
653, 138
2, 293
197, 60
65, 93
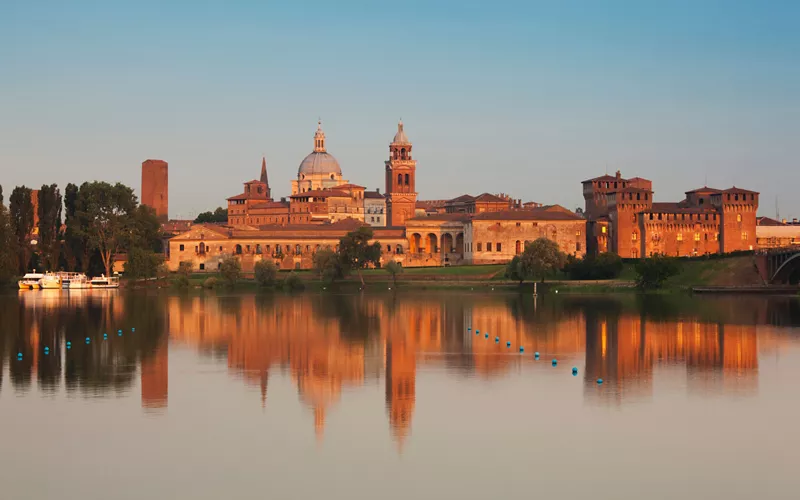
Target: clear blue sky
527, 98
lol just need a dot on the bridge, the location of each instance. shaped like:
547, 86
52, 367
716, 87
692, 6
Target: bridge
779, 266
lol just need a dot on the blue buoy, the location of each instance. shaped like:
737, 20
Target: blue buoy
477, 331
536, 354
574, 370
105, 335
508, 344
521, 349
119, 334
486, 335
119, 331
497, 339
133, 329
469, 329
555, 361
19, 355
599, 381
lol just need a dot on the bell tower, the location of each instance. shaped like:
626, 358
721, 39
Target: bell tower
401, 172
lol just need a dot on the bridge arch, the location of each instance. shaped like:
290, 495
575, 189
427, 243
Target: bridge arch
789, 271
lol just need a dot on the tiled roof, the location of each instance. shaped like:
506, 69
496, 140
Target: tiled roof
462, 198
373, 195
677, 208
242, 196
440, 217
704, 189
350, 186
536, 214
601, 178
322, 193
490, 198
734, 189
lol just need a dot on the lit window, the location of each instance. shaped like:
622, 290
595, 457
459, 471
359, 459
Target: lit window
738, 217
634, 236
744, 235
603, 230
680, 236
696, 236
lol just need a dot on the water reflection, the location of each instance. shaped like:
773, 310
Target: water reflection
329, 343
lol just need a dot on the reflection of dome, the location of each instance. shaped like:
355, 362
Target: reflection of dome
319, 162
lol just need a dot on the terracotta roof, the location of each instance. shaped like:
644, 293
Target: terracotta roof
704, 189
536, 214
350, 186
254, 181
242, 196
431, 203
734, 189
373, 195
440, 217
322, 193
490, 197
677, 208
174, 225
463, 197
601, 178
767, 221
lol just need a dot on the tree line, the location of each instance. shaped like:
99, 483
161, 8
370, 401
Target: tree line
100, 221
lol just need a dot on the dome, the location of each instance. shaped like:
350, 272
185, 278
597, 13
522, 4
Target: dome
400, 137
319, 162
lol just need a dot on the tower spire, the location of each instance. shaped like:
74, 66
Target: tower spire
264, 177
319, 138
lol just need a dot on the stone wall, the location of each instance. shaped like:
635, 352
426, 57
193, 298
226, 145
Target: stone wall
494, 242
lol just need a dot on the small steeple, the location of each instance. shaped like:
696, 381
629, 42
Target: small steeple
319, 139
400, 137
264, 177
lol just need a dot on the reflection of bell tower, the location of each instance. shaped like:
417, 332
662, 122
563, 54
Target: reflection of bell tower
155, 378
401, 373
401, 172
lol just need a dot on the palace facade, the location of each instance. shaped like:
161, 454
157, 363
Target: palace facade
623, 218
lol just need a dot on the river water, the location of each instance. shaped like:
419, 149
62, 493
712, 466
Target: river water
395, 396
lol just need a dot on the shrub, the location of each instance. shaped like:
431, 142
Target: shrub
394, 268
266, 273
181, 279
210, 283
142, 264
293, 282
601, 267
230, 270
515, 270
328, 266
653, 271
541, 258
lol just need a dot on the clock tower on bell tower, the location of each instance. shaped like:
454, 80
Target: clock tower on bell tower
401, 172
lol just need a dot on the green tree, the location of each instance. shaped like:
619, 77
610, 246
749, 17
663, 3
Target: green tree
146, 232
49, 225
541, 258
328, 266
182, 275
515, 270
220, 215
7, 244
266, 273
21, 213
142, 263
74, 244
356, 252
230, 269
652, 272
108, 221
292, 282
394, 268
604, 266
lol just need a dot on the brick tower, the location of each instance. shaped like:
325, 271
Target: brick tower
155, 187
401, 172
737, 208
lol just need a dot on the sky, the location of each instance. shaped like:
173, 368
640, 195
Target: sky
526, 98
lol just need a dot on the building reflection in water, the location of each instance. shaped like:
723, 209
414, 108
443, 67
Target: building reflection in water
328, 343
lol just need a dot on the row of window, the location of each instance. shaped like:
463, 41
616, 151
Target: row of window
202, 249
679, 236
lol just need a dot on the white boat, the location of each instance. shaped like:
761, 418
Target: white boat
105, 282
67, 277
50, 281
79, 282
30, 281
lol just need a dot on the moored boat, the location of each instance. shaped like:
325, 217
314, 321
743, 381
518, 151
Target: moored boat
50, 281
31, 281
67, 277
79, 282
105, 282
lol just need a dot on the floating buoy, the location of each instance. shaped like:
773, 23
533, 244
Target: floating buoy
486, 336
105, 335
133, 329
19, 355
599, 381
497, 339
555, 361
508, 344
574, 370
47, 350
536, 355
88, 340
470, 329
521, 349
119, 331
477, 331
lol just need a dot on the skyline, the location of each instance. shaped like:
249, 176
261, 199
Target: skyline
544, 98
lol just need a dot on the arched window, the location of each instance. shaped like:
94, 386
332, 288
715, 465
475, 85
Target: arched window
518, 247
238, 249
403, 153
738, 217
406, 179
399, 179
258, 249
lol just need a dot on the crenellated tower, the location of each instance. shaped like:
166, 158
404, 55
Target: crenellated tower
401, 172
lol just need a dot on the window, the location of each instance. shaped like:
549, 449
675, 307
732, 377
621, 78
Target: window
407, 180
489, 246
499, 247
519, 224
577, 247
659, 217
680, 236
651, 218
706, 236
634, 236
738, 217
578, 232
696, 236
603, 229
479, 247
220, 249
744, 235
202, 267
258, 249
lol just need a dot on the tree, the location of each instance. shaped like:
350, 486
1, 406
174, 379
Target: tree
20, 209
182, 276
142, 263
604, 266
266, 273
230, 269
73, 242
7, 244
356, 252
515, 270
328, 265
653, 271
394, 268
220, 215
541, 258
107, 218
146, 229
49, 225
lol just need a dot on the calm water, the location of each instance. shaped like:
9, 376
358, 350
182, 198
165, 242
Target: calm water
383, 396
